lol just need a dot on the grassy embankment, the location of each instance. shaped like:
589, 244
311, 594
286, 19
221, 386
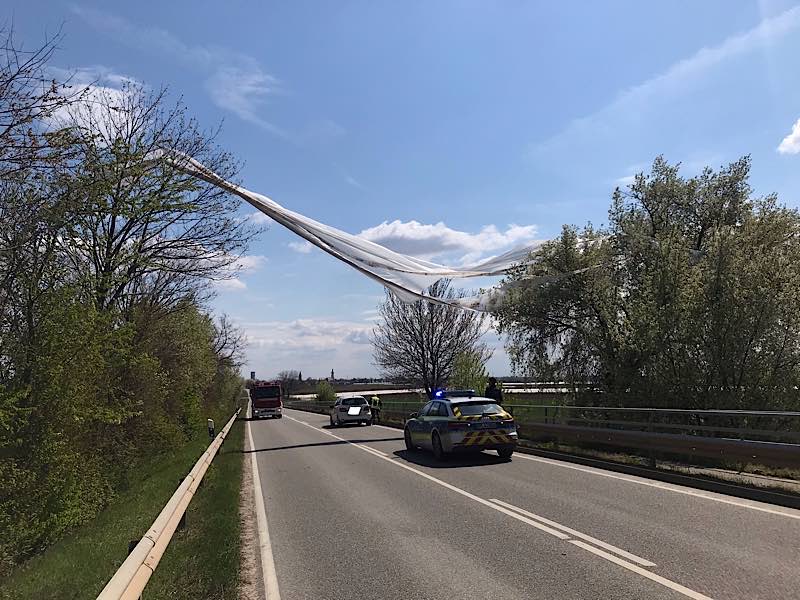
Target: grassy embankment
202, 561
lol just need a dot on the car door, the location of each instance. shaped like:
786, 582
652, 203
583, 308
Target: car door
416, 425
432, 418
437, 418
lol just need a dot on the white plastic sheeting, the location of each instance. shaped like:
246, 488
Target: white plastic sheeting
405, 276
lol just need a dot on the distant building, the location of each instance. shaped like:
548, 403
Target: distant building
253, 375
333, 377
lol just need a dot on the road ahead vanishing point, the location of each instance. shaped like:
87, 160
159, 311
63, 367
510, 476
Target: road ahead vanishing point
352, 514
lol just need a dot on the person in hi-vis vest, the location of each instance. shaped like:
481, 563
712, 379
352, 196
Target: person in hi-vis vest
375, 404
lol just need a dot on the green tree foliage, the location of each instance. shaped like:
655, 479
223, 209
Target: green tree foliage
469, 372
325, 393
690, 298
107, 355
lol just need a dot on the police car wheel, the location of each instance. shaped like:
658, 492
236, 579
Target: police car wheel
505, 453
436, 444
409, 444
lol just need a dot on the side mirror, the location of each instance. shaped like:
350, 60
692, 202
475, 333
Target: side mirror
413, 415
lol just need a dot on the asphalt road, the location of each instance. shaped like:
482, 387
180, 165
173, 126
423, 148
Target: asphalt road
351, 514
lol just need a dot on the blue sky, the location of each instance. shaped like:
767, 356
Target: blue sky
450, 130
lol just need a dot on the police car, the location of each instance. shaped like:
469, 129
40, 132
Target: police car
459, 421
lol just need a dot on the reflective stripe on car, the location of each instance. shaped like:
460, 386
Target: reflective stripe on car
481, 438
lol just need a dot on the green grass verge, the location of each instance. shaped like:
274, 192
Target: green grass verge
202, 561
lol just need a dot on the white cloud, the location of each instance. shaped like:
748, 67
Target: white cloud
313, 345
301, 247
259, 218
250, 262
235, 82
243, 265
230, 285
97, 87
625, 181
626, 111
791, 143
428, 241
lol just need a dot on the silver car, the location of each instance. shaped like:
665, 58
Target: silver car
454, 424
352, 409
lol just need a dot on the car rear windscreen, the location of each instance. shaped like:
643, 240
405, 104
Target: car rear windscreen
265, 391
354, 401
478, 408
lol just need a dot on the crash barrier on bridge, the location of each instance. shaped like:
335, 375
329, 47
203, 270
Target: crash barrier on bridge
133, 575
768, 438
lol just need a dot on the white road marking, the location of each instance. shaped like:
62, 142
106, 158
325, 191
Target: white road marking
386, 427
552, 531
271, 590
577, 534
643, 572
788, 512
383, 456
662, 486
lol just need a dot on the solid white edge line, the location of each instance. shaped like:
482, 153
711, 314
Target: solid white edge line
632, 557
271, 590
643, 572
658, 485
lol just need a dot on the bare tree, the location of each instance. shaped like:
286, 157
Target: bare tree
419, 342
28, 96
229, 341
288, 380
138, 218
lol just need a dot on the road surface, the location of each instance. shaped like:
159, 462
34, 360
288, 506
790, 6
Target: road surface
351, 514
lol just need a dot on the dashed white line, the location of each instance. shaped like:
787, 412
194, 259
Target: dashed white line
550, 528
632, 557
501, 509
643, 572
790, 513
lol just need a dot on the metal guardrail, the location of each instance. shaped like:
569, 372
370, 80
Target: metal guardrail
769, 438
133, 575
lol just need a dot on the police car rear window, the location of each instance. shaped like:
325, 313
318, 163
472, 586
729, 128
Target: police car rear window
478, 408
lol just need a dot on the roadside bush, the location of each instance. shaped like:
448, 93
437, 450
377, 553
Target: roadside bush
325, 393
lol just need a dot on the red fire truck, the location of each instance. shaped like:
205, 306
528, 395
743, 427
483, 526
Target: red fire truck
266, 399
